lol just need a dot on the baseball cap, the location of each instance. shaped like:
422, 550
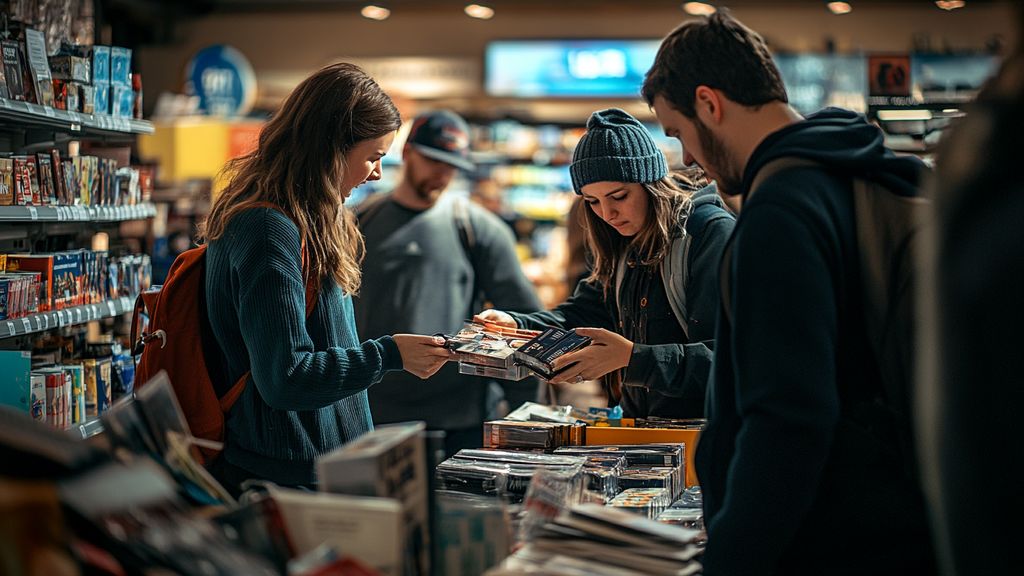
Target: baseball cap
442, 135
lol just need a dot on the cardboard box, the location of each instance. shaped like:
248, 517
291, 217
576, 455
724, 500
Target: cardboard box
101, 98
371, 529
73, 68
15, 373
41, 263
122, 100
388, 462
101, 64
120, 66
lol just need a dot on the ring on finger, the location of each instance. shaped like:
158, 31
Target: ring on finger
579, 378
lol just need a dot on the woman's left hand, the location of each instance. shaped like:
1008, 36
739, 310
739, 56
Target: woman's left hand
606, 353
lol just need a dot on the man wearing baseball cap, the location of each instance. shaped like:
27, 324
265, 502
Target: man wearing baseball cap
431, 262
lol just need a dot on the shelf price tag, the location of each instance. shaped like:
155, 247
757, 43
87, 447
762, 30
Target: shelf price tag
11, 329
28, 325
78, 315
49, 112
43, 322
33, 213
111, 307
93, 312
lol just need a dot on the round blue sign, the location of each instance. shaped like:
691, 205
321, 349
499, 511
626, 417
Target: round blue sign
223, 79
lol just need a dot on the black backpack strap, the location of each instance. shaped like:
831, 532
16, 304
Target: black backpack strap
467, 240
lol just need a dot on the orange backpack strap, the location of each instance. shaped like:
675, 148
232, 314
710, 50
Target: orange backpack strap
312, 293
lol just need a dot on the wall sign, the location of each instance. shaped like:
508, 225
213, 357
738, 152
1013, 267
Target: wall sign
223, 79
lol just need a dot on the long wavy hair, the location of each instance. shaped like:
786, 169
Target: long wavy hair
668, 202
299, 163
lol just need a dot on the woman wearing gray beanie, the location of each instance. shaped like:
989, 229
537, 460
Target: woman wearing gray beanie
649, 305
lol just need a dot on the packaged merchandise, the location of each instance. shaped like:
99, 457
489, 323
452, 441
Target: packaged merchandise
17, 390
86, 98
122, 101
77, 376
39, 67
121, 67
539, 353
6, 182
649, 502
41, 263
101, 64
71, 68
47, 190
540, 435
101, 97
14, 70
92, 396
388, 462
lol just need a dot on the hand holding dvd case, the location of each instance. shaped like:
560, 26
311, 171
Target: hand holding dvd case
540, 353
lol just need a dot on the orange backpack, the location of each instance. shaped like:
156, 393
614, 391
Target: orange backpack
173, 342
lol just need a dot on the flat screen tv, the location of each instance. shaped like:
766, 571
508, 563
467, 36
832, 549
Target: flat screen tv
567, 68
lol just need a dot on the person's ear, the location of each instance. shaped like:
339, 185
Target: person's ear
708, 105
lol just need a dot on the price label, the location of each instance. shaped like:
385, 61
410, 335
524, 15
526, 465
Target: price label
11, 328
94, 312
20, 106
78, 315
43, 322
60, 319
111, 307
49, 112
27, 325
33, 213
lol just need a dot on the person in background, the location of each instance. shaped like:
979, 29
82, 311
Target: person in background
634, 210
799, 462
281, 224
431, 262
969, 390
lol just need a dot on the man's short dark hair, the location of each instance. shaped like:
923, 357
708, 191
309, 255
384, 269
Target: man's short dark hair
718, 52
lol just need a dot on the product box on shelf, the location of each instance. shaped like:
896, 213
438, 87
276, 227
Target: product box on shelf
33, 174
6, 182
66, 95
122, 101
16, 391
101, 64
47, 190
42, 82
86, 98
77, 377
73, 68
67, 279
41, 263
120, 66
101, 98
14, 72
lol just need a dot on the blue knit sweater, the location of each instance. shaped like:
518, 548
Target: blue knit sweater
307, 392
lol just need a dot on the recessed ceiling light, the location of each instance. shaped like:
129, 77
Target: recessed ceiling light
950, 4
479, 11
375, 12
840, 7
699, 8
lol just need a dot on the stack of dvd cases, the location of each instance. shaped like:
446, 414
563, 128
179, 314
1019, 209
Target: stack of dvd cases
483, 349
531, 435
501, 473
649, 502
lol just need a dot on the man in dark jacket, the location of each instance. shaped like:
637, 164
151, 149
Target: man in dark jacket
799, 466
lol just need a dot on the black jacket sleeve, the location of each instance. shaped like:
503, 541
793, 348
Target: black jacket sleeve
682, 370
585, 308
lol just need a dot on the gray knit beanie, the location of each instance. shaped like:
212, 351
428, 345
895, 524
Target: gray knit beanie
616, 148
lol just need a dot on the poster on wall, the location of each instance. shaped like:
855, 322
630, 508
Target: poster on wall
223, 79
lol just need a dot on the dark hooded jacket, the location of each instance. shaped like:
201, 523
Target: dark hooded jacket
800, 468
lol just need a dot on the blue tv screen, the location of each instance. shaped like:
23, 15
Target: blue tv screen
567, 68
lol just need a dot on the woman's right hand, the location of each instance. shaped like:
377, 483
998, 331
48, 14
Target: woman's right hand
496, 317
421, 355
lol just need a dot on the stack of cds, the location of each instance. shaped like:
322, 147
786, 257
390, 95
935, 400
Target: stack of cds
531, 435
649, 502
483, 349
598, 540
651, 477
501, 473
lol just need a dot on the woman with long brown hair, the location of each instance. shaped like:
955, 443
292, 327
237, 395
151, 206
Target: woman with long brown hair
649, 233
283, 261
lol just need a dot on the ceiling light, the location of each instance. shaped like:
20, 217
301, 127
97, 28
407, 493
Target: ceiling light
840, 7
950, 4
479, 11
699, 8
375, 12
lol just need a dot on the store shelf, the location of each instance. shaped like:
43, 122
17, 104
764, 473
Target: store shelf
31, 115
76, 213
67, 317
